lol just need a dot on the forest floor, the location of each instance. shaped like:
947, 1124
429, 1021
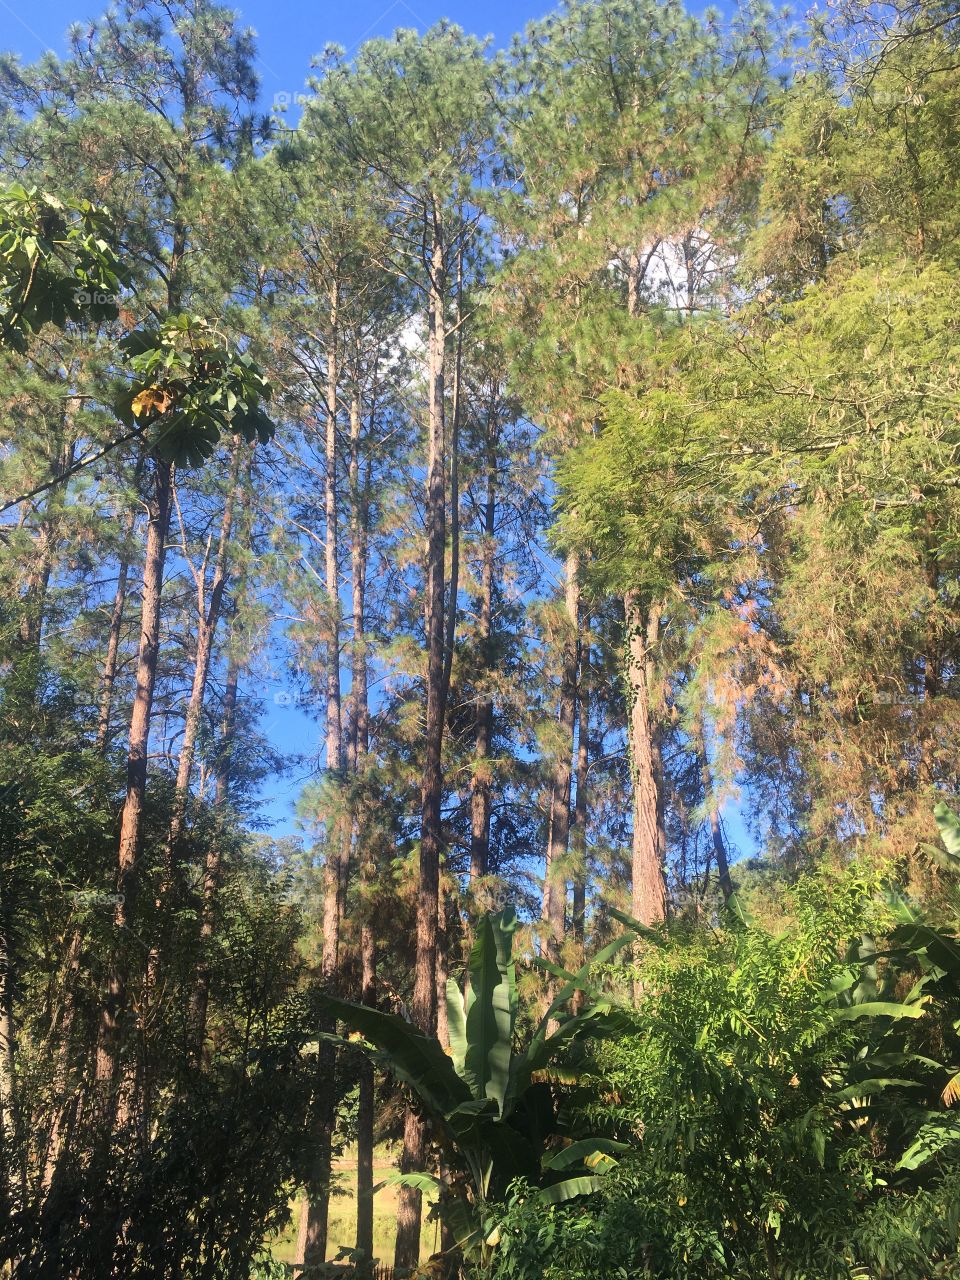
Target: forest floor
343, 1214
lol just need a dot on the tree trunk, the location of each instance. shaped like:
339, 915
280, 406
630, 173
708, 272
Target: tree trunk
649, 899
112, 654
317, 1202
481, 779
558, 842
35, 596
407, 1250
358, 746
580, 812
10, 1137
716, 833
131, 822
208, 618
200, 999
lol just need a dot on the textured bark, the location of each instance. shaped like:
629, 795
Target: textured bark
313, 1233
558, 842
649, 899
111, 657
212, 866
358, 747
932, 662
580, 811
209, 609
407, 1249
64, 1095
481, 779
131, 822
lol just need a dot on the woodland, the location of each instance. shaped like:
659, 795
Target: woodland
480, 650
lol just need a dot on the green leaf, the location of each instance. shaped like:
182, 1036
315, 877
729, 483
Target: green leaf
416, 1059
569, 1189
877, 1009
424, 1182
457, 1029
491, 1018
941, 1130
593, 1152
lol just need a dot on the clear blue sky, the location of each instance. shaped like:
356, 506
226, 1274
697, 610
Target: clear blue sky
289, 33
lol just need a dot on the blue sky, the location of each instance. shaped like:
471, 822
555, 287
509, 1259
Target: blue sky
290, 33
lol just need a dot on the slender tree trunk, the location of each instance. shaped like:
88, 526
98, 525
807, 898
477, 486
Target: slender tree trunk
317, 1202
64, 1098
208, 618
407, 1249
716, 832
359, 745
212, 867
649, 900
481, 778
580, 811
112, 654
558, 843
931, 661
131, 822
10, 1155
34, 597
222, 774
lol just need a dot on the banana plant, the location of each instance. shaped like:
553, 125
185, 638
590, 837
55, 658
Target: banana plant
491, 1102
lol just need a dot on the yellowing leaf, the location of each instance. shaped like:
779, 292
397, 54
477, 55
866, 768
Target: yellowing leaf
151, 400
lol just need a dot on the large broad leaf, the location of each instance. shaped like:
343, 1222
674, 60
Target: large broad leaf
579, 981
949, 825
940, 1131
569, 1189
878, 1009
513, 1156
601, 1020
492, 1015
640, 930
595, 1153
424, 1182
416, 1059
465, 1224
457, 1030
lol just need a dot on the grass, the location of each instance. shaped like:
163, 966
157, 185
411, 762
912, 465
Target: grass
342, 1229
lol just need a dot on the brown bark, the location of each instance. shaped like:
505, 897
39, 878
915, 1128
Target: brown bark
481, 779
932, 657
407, 1249
313, 1232
212, 866
580, 812
208, 618
558, 842
358, 746
649, 899
113, 650
131, 822
64, 1096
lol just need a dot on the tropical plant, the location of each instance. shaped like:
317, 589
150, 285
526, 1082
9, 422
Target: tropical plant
57, 263
497, 1109
194, 386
